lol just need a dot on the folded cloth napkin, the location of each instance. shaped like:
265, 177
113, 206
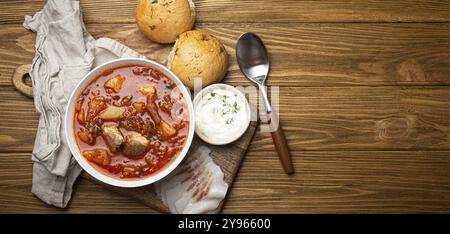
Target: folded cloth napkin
65, 52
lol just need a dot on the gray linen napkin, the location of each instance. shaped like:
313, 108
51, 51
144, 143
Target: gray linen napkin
65, 52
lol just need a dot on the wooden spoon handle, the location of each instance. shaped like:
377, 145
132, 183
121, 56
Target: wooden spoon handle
281, 144
18, 80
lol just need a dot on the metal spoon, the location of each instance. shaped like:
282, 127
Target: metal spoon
253, 60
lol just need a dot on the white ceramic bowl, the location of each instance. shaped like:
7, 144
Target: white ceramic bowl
70, 135
241, 96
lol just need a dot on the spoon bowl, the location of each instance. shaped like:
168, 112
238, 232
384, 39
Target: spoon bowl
252, 57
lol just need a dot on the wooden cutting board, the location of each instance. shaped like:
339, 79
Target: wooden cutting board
228, 157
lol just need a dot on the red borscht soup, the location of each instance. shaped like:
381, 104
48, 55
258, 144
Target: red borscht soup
131, 121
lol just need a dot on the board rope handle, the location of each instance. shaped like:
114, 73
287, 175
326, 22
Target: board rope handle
18, 80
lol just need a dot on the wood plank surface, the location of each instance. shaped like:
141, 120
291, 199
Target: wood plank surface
16, 196
122, 11
301, 54
343, 182
335, 118
336, 182
364, 101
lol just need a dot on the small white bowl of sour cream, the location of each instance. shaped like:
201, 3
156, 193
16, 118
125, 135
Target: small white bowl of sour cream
222, 114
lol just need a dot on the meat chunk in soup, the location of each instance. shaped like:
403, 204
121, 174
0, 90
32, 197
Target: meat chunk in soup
99, 156
135, 145
113, 137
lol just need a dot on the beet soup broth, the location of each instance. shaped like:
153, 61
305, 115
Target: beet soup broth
130, 122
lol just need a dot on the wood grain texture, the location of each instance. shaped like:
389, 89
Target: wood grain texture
122, 11
364, 104
16, 196
145, 195
301, 54
340, 118
327, 182
343, 182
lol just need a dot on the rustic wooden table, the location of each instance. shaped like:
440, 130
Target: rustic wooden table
365, 104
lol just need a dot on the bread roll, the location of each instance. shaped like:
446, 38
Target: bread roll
198, 54
163, 20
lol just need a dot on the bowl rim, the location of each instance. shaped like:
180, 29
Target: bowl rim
241, 96
70, 135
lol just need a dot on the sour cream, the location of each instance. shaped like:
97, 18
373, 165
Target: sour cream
222, 114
